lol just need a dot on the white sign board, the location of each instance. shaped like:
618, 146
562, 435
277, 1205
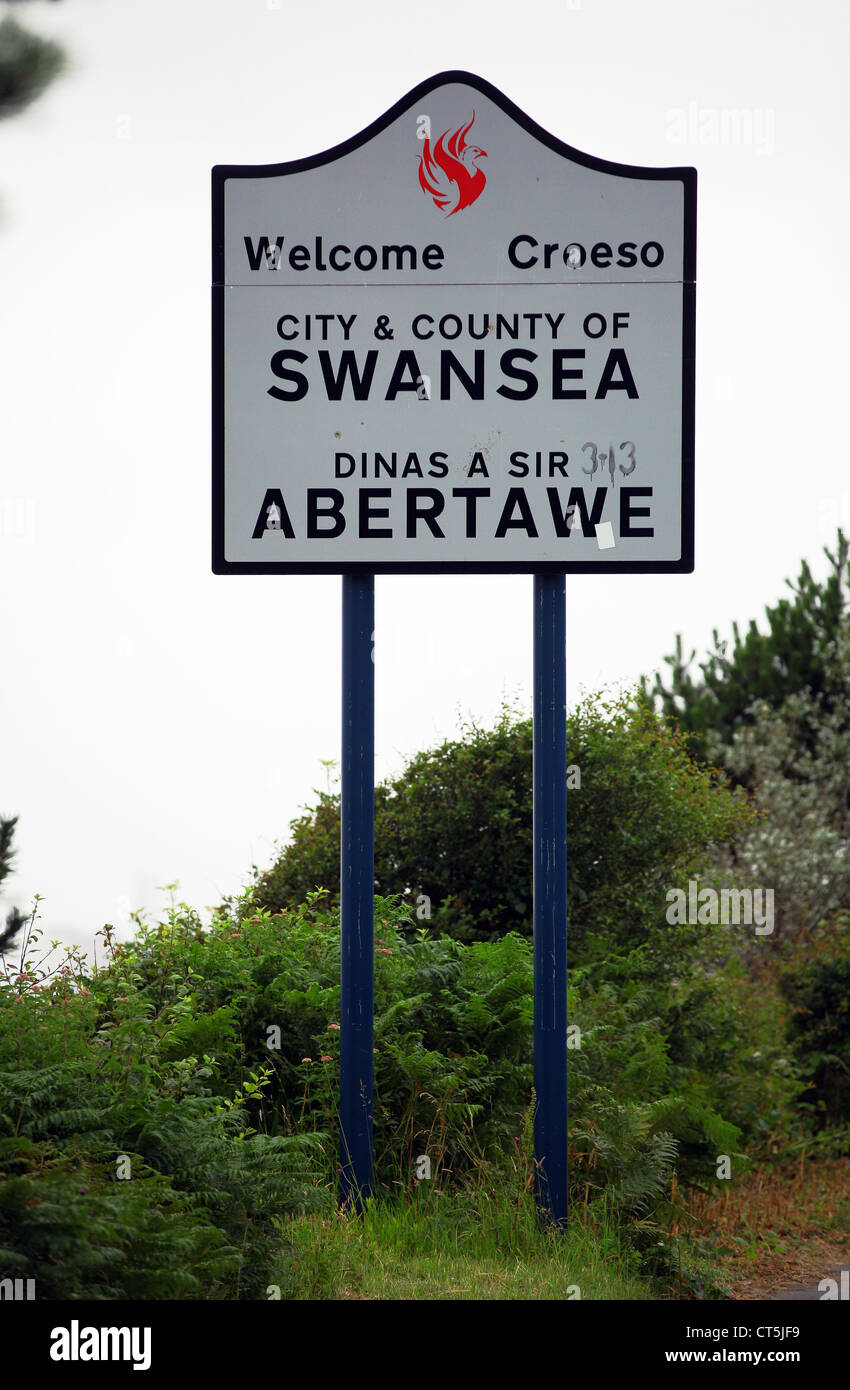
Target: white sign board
453, 343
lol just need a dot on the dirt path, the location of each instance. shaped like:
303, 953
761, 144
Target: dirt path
796, 1276
780, 1231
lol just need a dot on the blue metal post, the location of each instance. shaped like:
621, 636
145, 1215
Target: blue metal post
550, 896
357, 882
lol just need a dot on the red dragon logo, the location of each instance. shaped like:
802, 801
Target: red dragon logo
450, 173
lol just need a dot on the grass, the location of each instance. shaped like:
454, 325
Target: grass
773, 1227
468, 1245
778, 1200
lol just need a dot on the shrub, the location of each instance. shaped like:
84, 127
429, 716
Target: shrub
819, 1029
209, 1057
456, 826
124, 1171
662, 1057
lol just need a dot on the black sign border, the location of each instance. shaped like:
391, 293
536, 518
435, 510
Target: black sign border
687, 176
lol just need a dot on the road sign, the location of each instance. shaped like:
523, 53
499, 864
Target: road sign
453, 343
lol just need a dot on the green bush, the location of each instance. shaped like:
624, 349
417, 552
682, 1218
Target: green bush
819, 1030
453, 1040
453, 1037
195, 1217
209, 1058
456, 826
125, 1172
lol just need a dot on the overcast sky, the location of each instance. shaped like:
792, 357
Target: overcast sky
159, 723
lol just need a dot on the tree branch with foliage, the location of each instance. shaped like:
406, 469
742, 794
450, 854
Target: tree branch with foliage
28, 65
